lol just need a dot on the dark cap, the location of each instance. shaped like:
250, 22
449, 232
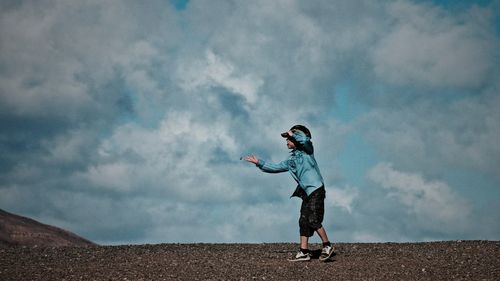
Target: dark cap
301, 128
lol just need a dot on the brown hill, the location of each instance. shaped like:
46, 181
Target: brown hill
448, 260
18, 230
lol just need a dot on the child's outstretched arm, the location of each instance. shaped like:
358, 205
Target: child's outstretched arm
267, 167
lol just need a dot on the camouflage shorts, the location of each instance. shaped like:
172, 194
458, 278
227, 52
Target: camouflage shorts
312, 212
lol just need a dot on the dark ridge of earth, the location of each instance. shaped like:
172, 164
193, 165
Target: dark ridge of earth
448, 260
19, 230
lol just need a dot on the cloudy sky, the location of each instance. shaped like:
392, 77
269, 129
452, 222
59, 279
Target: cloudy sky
124, 121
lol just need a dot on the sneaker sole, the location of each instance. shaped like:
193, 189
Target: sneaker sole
300, 260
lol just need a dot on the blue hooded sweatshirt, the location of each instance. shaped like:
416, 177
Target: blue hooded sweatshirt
301, 164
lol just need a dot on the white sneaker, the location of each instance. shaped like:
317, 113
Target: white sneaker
301, 257
327, 253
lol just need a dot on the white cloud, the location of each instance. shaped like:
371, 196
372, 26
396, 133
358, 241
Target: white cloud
117, 176
59, 59
67, 149
342, 197
433, 203
431, 47
437, 137
213, 71
175, 157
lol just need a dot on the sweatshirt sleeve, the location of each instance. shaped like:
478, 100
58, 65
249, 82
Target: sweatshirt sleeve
304, 142
273, 168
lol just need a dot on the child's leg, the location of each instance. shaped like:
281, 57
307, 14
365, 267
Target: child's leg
304, 242
322, 234
328, 249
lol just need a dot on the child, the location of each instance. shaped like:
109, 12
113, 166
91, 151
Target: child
305, 171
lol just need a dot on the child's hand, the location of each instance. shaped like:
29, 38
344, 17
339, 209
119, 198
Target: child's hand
251, 159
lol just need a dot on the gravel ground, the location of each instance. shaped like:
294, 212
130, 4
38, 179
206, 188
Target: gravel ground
453, 260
